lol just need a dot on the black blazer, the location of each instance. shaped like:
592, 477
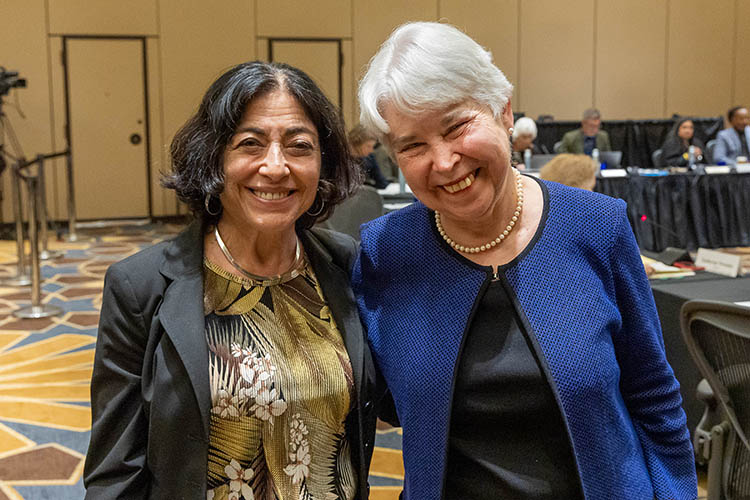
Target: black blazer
150, 396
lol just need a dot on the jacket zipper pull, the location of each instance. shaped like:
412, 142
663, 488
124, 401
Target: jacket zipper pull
496, 274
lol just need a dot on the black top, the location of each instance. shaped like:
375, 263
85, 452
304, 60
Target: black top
507, 437
675, 153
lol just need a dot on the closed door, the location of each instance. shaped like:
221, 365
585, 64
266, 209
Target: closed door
107, 114
320, 59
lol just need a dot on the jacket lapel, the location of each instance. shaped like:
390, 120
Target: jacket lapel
334, 282
181, 312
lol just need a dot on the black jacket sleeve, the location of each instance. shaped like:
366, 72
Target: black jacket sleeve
116, 460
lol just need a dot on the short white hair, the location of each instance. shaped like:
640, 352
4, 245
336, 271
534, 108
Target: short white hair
523, 126
425, 66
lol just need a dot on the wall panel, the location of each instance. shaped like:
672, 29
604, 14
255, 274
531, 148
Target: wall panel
374, 21
557, 57
23, 48
700, 57
198, 43
163, 202
103, 17
494, 24
630, 58
303, 18
742, 55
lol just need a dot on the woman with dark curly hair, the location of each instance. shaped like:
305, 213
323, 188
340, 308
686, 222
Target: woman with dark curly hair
230, 361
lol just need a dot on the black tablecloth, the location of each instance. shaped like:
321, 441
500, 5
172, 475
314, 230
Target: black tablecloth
670, 295
637, 139
685, 210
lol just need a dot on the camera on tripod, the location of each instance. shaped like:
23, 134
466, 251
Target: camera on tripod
9, 80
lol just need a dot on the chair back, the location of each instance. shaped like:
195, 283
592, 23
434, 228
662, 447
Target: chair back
538, 161
365, 205
710, 147
718, 338
656, 158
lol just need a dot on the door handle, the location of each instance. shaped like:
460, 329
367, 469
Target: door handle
135, 139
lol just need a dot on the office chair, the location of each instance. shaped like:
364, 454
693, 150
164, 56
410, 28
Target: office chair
717, 335
656, 158
538, 161
366, 204
710, 147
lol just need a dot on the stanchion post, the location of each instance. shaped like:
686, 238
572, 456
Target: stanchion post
21, 278
41, 198
37, 309
72, 234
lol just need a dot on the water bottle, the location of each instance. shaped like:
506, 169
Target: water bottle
527, 159
595, 156
691, 156
401, 182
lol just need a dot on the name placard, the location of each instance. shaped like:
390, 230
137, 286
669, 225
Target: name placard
742, 168
613, 172
718, 169
718, 262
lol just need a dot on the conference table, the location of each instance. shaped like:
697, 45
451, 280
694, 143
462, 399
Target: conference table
685, 210
670, 295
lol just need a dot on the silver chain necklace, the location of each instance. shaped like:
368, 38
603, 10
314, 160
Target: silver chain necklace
292, 273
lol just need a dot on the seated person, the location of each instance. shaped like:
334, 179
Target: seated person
734, 141
679, 139
362, 144
524, 133
583, 140
572, 170
385, 163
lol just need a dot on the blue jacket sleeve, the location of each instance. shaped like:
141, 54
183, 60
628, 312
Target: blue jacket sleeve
721, 150
648, 386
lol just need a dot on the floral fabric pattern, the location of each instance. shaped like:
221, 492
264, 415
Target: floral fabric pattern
281, 391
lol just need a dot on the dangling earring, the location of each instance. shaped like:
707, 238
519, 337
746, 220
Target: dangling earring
320, 211
207, 204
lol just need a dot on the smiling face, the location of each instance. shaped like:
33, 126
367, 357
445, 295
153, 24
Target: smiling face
456, 160
686, 130
271, 166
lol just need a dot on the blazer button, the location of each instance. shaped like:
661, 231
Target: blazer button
368, 406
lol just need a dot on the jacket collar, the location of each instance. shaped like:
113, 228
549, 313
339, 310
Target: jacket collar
181, 312
335, 283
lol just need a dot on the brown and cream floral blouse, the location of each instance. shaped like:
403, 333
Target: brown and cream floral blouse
281, 390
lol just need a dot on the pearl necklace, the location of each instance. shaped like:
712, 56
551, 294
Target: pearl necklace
499, 239
292, 273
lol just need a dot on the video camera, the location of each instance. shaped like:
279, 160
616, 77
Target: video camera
9, 80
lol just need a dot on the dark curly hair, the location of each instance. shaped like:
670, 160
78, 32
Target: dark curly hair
198, 147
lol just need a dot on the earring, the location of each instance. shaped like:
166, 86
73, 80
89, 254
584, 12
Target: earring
510, 131
320, 211
207, 204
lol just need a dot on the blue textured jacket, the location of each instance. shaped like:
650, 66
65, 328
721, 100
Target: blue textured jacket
583, 297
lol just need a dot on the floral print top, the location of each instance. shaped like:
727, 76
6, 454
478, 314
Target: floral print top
281, 390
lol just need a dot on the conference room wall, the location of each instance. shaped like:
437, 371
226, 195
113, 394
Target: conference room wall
636, 59
701, 56
741, 54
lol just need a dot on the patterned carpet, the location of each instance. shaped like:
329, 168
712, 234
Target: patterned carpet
45, 371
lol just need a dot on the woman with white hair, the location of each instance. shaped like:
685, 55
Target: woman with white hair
524, 133
510, 317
